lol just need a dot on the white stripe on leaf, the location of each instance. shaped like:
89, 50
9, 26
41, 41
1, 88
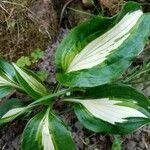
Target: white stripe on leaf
97, 51
109, 110
46, 136
34, 84
13, 112
4, 81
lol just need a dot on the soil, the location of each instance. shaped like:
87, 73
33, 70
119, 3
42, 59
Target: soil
25, 26
10, 135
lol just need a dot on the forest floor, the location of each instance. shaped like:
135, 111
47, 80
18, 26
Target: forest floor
30, 24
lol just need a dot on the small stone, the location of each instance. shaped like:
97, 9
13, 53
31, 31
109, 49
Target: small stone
16, 143
78, 125
131, 145
142, 145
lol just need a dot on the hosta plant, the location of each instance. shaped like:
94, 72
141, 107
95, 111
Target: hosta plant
89, 61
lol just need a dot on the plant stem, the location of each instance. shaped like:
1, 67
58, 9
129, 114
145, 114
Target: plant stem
45, 98
82, 12
57, 88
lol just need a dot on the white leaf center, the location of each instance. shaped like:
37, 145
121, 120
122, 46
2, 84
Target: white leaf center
3, 81
46, 136
108, 110
13, 112
35, 85
97, 51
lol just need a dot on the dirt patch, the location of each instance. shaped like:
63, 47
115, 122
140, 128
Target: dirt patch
10, 135
139, 140
20, 33
110, 7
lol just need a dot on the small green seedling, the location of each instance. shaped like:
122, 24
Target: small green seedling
36, 55
23, 61
89, 62
117, 143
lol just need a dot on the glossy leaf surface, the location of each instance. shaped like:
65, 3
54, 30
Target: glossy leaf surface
10, 110
114, 108
4, 91
47, 132
30, 83
99, 50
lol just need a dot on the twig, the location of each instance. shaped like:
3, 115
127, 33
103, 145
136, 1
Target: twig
146, 146
4, 9
81, 12
63, 10
13, 3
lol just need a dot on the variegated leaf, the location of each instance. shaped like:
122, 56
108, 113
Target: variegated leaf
6, 81
45, 132
47, 136
4, 91
7, 69
31, 84
111, 111
10, 110
112, 108
97, 51
100, 50
7, 75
